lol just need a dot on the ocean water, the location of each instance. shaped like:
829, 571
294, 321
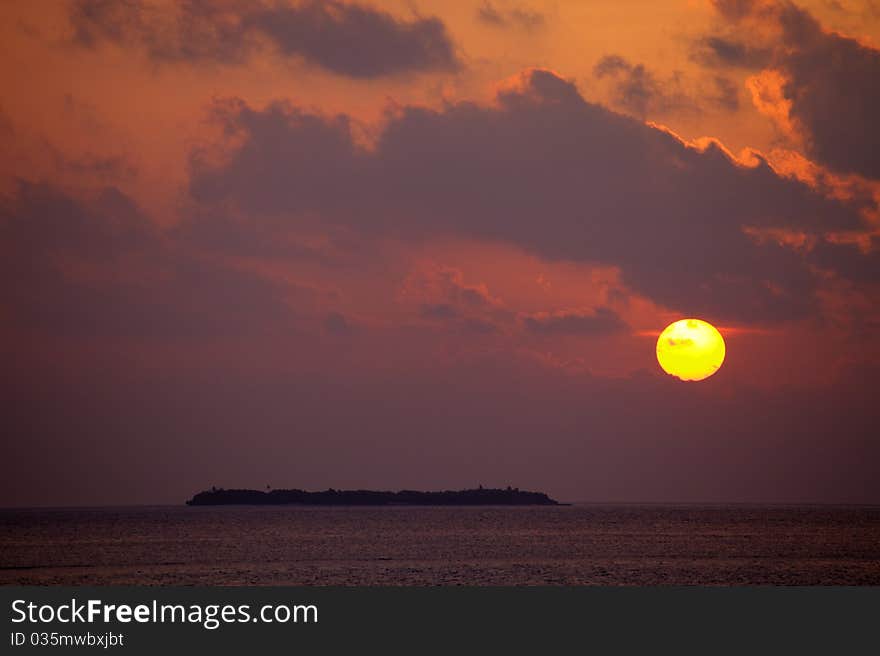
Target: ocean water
572, 545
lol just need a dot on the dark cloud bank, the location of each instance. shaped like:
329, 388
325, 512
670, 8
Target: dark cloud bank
549, 172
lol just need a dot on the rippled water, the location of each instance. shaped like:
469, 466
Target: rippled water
581, 544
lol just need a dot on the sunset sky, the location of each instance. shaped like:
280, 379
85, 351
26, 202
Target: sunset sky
427, 244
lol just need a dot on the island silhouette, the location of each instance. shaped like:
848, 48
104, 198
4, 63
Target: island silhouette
481, 496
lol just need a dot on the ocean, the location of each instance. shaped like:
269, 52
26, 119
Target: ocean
582, 544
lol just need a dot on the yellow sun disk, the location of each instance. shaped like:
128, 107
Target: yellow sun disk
690, 349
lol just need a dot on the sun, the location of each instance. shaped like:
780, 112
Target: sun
690, 349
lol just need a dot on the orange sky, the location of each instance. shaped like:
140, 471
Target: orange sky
113, 102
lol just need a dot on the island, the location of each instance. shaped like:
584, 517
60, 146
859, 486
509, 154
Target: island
481, 496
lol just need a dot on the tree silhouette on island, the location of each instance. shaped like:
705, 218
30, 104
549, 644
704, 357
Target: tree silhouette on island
481, 496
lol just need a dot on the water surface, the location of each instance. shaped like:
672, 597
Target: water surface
573, 545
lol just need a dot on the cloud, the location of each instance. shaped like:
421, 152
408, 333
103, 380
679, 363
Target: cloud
437, 283
726, 93
637, 90
438, 311
344, 38
835, 96
357, 41
323, 155
440, 294
337, 323
720, 51
829, 88
193, 30
97, 268
601, 321
546, 171
525, 19
848, 260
